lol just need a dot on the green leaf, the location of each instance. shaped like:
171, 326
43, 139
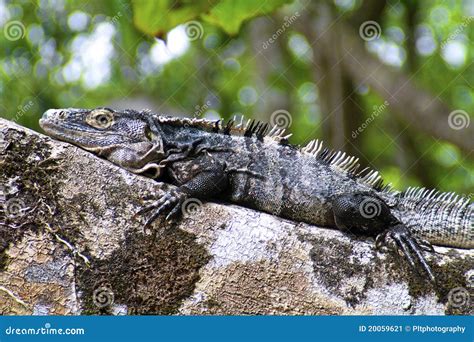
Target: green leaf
230, 14
157, 17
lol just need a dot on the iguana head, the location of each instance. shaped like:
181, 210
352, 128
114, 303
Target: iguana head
127, 138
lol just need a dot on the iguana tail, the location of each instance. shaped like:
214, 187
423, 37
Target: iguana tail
442, 218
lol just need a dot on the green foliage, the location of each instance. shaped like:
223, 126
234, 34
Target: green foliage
230, 14
156, 18
250, 58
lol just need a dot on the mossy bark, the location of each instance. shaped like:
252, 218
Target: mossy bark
70, 244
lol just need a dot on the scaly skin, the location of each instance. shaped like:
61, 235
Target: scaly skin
258, 169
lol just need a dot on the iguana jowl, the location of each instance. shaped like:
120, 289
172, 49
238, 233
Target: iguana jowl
254, 166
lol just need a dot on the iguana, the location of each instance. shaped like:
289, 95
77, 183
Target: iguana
254, 165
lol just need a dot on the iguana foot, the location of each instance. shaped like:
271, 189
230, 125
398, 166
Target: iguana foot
169, 204
408, 245
366, 214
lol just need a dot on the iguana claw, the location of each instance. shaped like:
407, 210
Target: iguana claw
169, 203
366, 214
408, 245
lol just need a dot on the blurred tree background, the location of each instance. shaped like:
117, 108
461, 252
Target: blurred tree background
390, 82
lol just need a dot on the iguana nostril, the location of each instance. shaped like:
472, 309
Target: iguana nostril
53, 113
62, 114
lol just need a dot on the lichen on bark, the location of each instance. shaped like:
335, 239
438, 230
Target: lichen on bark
70, 243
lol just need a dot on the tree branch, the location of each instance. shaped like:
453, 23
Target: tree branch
415, 105
70, 245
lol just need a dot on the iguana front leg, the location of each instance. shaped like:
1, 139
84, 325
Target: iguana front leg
135, 157
202, 178
369, 215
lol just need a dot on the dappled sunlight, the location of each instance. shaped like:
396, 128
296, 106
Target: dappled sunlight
62, 54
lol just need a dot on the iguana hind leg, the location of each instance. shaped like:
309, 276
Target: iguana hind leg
366, 214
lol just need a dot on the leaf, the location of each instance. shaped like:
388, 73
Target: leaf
230, 14
157, 17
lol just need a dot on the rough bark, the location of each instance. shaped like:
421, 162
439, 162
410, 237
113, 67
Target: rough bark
69, 244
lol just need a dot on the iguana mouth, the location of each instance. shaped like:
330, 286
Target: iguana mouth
83, 138
88, 138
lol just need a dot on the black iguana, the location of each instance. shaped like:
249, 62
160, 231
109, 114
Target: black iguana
255, 166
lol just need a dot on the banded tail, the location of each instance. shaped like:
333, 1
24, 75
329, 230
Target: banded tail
442, 218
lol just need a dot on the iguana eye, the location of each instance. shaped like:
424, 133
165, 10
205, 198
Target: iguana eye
101, 119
